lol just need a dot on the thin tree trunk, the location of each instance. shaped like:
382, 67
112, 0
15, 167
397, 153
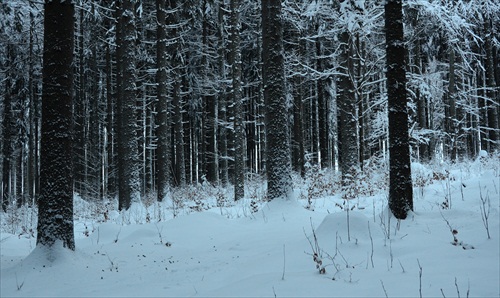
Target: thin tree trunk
163, 166
321, 85
452, 111
493, 121
239, 132
7, 123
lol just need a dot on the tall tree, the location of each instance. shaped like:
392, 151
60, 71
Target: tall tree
163, 167
128, 163
492, 105
222, 98
239, 136
55, 206
347, 108
400, 184
7, 134
278, 165
176, 58
208, 89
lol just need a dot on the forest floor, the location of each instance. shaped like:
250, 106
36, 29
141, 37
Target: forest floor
295, 248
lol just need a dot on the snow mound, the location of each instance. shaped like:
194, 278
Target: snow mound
353, 225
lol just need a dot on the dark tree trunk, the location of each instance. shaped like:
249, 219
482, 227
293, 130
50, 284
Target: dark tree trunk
483, 115
7, 129
400, 184
128, 163
111, 168
221, 97
298, 134
322, 85
180, 165
31, 166
239, 131
346, 101
492, 107
278, 150
452, 110
163, 166
55, 206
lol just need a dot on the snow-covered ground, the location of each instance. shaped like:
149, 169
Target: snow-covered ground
442, 249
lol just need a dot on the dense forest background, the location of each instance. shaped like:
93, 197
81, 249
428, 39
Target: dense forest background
169, 93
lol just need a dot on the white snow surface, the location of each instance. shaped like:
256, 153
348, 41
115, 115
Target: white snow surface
231, 252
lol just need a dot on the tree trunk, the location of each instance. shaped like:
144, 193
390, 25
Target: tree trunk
346, 101
278, 150
163, 166
129, 188
55, 206
452, 110
400, 184
111, 166
322, 85
239, 132
492, 108
298, 134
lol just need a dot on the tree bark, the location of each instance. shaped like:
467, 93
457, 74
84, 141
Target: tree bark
346, 101
278, 150
129, 184
239, 132
493, 122
400, 184
163, 166
55, 206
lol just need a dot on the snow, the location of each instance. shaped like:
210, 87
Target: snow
229, 251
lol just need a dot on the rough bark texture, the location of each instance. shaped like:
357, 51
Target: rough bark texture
55, 206
346, 101
163, 166
7, 127
221, 96
493, 124
298, 133
278, 150
400, 184
128, 164
452, 110
322, 85
239, 132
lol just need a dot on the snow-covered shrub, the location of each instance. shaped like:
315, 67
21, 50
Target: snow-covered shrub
318, 183
256, 187
374, 177
19, 221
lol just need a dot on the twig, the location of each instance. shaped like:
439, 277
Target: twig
390, 252
317, 252
452, 230
385, 292
283, 276
456, 286
485, 210
348, 225
19, 286
371, 240
402, 268
159, 233
117, 235
420, 278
